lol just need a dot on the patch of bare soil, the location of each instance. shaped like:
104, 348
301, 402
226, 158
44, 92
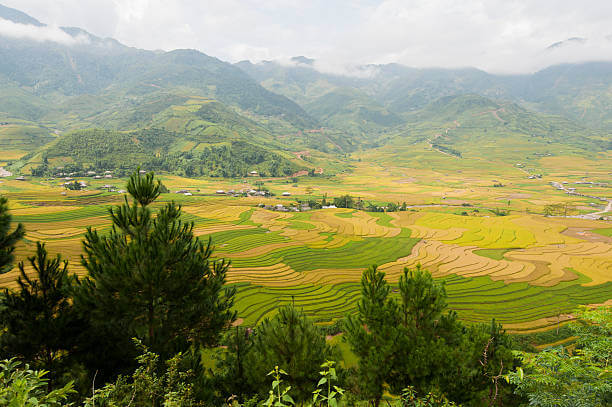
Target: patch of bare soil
405, 180
519, 196
586, 234
300, 173
330, 337
300, 154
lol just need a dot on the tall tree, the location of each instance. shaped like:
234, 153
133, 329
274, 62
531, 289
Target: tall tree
373, 333
152, 279
430, 338
291, 341
232, 364
412, 341
38, 319
8, 238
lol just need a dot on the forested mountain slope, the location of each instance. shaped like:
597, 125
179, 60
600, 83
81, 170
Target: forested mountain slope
581, 92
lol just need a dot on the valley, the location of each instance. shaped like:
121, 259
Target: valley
527, 270
500, 185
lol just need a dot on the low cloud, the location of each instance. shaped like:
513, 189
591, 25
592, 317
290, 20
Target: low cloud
39, 34
497, 36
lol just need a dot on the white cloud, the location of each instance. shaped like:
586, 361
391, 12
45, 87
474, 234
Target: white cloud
40, 34
494, 35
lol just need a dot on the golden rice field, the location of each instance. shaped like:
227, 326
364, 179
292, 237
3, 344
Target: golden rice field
527, 271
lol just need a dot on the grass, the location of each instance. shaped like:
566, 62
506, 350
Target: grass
604, 232
495, 254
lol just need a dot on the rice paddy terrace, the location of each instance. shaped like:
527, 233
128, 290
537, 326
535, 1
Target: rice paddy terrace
526, 270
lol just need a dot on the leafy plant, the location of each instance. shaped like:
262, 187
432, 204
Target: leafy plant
332, 396
278, 397
298, 346
410, 398
152, 278
147, 387
23, 387
563, 378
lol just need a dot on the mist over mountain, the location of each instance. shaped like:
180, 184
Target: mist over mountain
64, 79
581, 92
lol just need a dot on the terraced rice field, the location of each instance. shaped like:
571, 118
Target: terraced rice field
524, 270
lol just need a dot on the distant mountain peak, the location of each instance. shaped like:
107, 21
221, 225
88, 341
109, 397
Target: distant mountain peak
569, 41
303, 60
17, 16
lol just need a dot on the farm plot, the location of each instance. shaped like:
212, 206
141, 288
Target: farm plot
539, 274
524, 270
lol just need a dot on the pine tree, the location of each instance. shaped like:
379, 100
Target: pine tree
291, 341
152, 279
373, 334
409, 342
38, 320
232, 363
8, 239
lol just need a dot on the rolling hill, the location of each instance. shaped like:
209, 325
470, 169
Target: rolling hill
172, 110
580, 92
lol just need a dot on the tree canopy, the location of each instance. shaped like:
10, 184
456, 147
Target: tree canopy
151, 278
8, 238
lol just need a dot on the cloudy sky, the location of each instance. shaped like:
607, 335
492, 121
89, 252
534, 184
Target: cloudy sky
495, 35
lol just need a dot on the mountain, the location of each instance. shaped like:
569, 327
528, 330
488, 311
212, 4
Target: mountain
352, 111
569, 41
188, 136
476, 132
17, 16
335, 101
580, 92
51, 87
96, 66
80, 101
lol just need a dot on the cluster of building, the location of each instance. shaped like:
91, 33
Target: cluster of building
243, 192
93, 174
282, 208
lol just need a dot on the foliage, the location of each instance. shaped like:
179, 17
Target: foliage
345, 201
409, 398
298, 346
559, 209
563, 377
152, 279
8, 238
446, 149
278, 397
334, 393
23, 387
147, 387
412, 342
39, 322
500, 212
154, 149
373, 334
74, 186
232, 367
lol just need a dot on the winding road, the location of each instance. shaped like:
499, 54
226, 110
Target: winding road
593, 215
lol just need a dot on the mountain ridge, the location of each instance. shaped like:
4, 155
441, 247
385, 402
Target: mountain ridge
200, 104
